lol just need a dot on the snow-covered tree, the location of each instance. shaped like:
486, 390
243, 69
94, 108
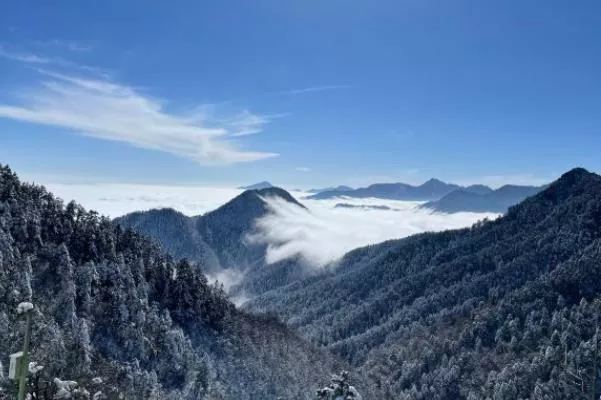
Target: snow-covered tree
339, 389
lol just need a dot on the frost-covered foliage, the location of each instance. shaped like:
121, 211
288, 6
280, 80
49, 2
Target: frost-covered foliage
219, 240
110, 309
504, 310
64, 389
24, 307
339, 389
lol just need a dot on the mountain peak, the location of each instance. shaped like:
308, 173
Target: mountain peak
250, 203
257, 186
430, 190
572, 184
277, 192
433, 181
574, 179
478, 189
436, 183
575, 174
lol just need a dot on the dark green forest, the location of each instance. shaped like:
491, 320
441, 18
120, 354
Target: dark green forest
121, 318
507, 309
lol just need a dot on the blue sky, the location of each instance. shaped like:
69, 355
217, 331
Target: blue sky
304, 93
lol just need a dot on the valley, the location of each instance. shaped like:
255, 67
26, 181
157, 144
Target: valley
300, 200
411, 318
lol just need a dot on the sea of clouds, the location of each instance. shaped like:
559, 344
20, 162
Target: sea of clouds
325, 232
115, 200
320, 234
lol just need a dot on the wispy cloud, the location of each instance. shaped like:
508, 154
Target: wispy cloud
72, 45
113, 111
24, 57
246, 123
303, 169
315, 89
39, 61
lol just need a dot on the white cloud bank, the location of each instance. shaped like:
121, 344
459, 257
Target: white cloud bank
117, 199
227, 278
315, 89
108, 110
325, 233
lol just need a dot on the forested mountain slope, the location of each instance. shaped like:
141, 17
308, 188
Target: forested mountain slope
216, 240
225, 230
110, 304
176, 232
507, 309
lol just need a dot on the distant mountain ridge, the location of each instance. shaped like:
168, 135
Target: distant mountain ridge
494, 201
381, 207
478, 189
430, 190
341, 188
441, 196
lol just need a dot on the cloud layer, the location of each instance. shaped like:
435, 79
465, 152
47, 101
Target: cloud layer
117, 199
325, 233
315, 89
108, 110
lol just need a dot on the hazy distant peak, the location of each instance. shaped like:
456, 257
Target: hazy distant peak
432, 189
478, 189
437, 186
257, 186
511, 186
480, 198
433, 182
339, 188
